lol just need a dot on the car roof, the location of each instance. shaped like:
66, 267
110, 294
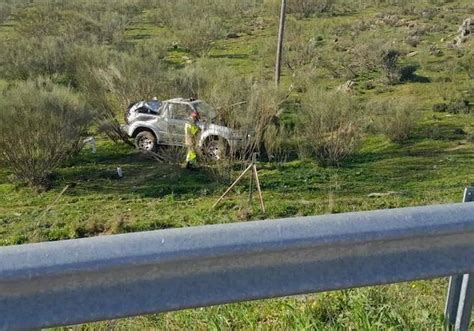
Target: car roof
182, 100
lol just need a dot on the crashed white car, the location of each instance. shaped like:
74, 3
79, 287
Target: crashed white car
157, 123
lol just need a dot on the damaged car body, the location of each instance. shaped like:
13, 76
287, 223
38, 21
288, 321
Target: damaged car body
151, 126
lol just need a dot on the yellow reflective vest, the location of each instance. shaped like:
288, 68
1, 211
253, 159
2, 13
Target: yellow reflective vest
191, 132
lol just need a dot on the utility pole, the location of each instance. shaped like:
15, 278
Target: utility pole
281, 33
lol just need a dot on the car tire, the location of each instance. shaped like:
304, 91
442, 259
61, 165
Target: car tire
215, 149
145, 141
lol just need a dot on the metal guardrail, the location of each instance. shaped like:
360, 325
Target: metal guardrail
75, 281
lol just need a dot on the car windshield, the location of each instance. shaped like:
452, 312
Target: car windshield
153, 105
206, 111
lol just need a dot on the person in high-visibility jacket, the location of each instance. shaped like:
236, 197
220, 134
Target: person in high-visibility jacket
192, 132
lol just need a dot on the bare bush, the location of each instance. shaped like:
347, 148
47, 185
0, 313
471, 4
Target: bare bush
257, 122
277, 142
50, 32
196, 32
307, 8
222, 87
466, 64
396, 119
413, 41
166, 10
169, 154
389, 64
127, 79
302, 52
5, 12
263, 110
455, 101
250, 107
328, 126
23, 58
75, 21
205, 29
369, 53
41, 125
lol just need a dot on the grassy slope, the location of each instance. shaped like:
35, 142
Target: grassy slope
433, 167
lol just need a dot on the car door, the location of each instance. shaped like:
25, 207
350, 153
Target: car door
162, 125
179, 115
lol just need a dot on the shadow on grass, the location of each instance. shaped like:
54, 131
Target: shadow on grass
441, 131
141, 36
143, 180
230, 56
414, 78
143, 177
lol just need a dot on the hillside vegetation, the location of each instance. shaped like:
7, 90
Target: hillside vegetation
375, 110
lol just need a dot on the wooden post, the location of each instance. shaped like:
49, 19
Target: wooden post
257, 181
254, 161
251, 190
281, 33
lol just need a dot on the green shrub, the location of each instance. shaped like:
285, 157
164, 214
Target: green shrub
277, 142
329, 126
205, 29
41, 125
76, 22
48, 34
440, 107
413, 41
389, 64
23, 58
197, 31
396, 119
466, 64
307, 8
127, 78
459, 107
5, 12
301, 51
262, 110
218, 84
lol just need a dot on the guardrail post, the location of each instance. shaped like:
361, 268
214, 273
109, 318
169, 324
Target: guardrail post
460, 295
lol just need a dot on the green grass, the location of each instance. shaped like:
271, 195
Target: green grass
155, 196
421, 171
432, 167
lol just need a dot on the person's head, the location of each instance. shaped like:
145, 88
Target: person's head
154, 99
195, 116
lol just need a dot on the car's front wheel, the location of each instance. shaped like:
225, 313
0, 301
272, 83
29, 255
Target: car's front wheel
216, 149
145, 141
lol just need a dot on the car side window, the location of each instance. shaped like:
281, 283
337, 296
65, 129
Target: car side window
164, 110
180, 111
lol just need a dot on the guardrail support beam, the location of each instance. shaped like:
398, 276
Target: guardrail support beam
457, 312
463, 317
